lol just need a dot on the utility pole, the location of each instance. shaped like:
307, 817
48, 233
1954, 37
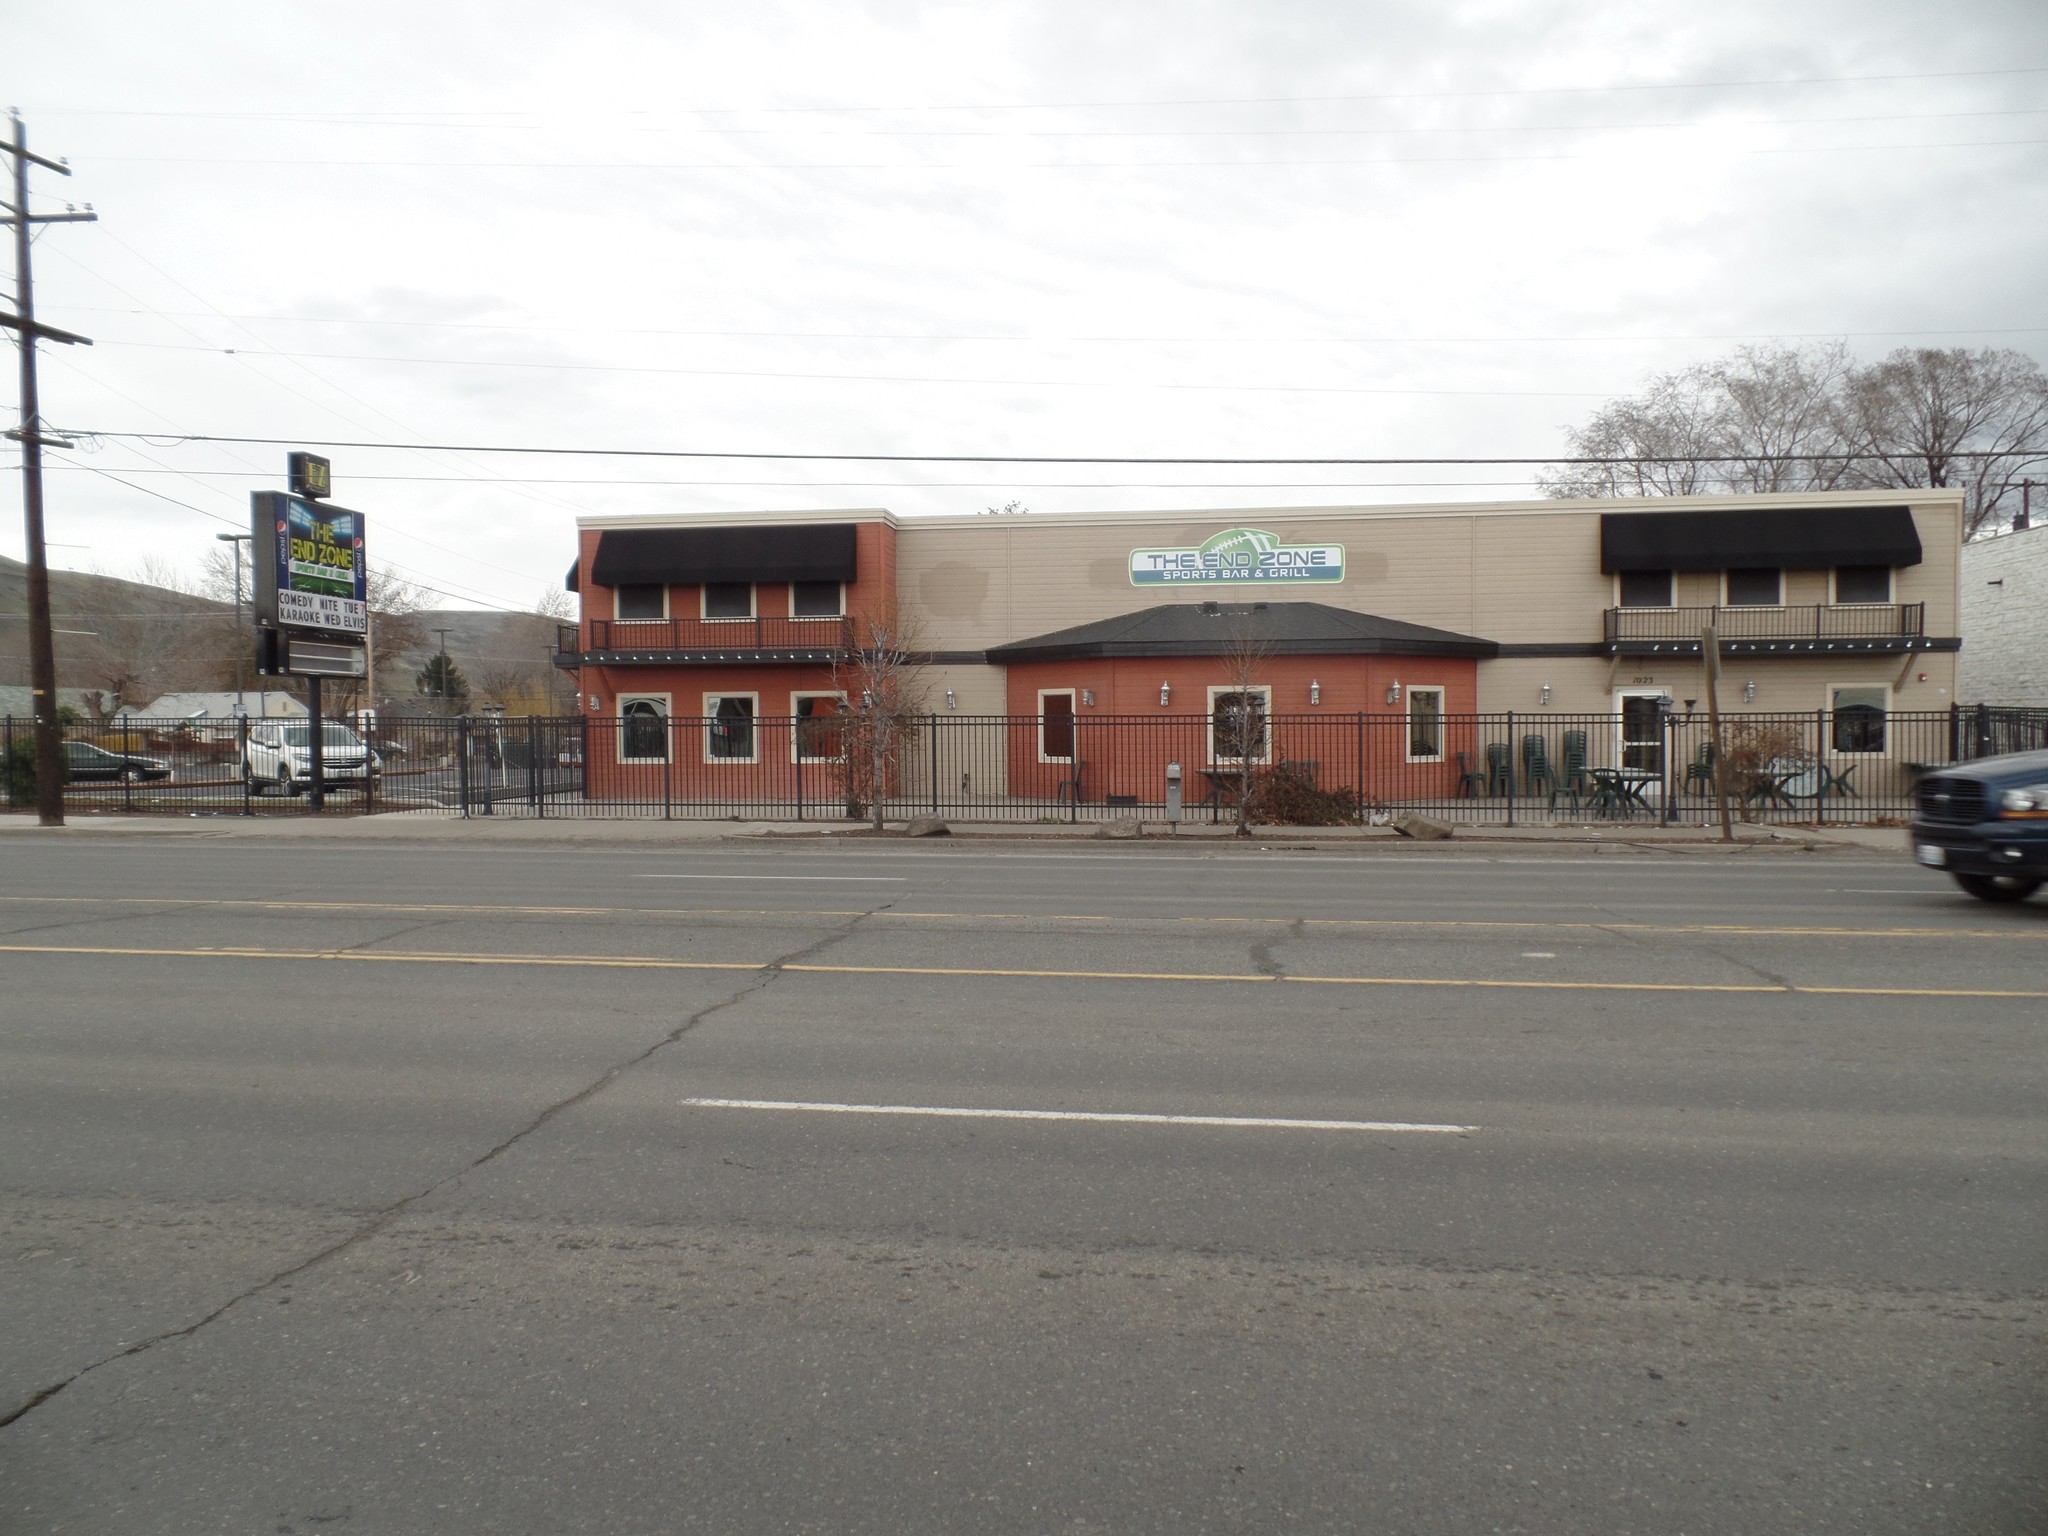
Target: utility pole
42, 651
241, 632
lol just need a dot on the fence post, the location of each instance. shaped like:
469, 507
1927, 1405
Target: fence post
1513, 748
533, 764
242, 761
127, 768
668, 765
932, 728
1360, 780
796, 742
462, 762
7, 735
1820, 759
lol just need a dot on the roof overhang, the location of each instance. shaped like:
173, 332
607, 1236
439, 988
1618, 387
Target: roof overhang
693, 556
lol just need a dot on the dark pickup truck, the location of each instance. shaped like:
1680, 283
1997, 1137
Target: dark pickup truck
1986, 823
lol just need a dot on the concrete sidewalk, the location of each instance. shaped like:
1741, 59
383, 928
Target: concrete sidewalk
445, 827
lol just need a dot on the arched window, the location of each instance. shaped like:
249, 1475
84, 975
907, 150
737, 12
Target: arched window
643, 733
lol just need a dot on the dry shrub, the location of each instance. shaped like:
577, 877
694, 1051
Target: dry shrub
1286, 795
1759, 751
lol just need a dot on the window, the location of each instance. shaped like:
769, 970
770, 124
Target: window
1858, 724
640, 602
1056, 725
1425, 725
1237, 725
729, 727
816, 600
643, 729
816, 736
728, 600
1646, 589
1863, 583
1755, 586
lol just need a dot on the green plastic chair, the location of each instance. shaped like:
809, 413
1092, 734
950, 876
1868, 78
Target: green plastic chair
1471, 782
1500, 773
1700, 770
1574, 779
1537, 773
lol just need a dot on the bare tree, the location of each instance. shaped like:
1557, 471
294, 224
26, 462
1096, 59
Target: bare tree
880, 674
1240, 730
1978, 420
556, 604
1813, 419
1760, 419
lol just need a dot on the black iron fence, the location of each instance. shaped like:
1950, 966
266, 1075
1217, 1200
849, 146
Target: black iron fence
1845, 766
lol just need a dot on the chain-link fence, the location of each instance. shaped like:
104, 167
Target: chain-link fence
1646, 763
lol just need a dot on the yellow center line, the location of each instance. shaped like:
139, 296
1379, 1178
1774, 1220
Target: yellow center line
657, 963
1547, 925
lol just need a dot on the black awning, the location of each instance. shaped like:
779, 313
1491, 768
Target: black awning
689, 556
569, 582
1790, 538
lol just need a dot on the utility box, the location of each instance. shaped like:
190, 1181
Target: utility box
1173, 792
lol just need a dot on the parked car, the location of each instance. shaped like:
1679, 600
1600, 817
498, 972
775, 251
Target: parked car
280, 756
95, 765
1986, 823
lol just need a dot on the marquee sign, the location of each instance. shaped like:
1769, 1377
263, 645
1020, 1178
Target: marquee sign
310, 572
1239, 555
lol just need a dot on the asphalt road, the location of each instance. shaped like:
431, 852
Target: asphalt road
434, 1188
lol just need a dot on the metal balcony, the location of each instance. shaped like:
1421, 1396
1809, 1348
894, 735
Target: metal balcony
1842, 629
683, 642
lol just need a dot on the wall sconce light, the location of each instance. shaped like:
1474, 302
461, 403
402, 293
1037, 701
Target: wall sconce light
1165, 694
867, 699
1315, 691
595, 704
1088, 697
1394, 692
1544, 697
951, 702
1749, 691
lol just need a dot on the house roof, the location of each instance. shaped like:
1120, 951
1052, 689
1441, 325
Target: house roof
1217, 629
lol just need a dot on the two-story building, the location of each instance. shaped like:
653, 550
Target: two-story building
1842, 605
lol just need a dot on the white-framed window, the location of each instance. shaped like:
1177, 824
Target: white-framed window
1753, 586
817, 599
1238, 730
1856, 718
1643, 589
1425, 724
730, 735
728, 599
640, 602
1863, 584
816, 723
1055, 725
643, 727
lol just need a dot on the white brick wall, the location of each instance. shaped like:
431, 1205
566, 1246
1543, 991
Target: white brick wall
2005, 620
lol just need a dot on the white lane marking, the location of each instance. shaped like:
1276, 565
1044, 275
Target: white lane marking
806, 879
1539, 954
1228, 1121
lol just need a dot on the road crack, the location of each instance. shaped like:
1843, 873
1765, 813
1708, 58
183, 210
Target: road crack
382, 1219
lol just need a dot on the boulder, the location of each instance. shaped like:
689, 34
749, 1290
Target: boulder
1123, 826
926, 826
1421, 828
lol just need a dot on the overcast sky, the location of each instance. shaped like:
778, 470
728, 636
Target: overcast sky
1262, 229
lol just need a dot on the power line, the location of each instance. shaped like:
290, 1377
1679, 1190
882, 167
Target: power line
1189, 101
986, 336
157, 439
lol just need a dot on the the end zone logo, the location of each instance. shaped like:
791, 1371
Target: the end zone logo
1238, 554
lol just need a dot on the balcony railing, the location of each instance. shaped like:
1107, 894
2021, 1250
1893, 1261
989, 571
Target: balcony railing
1794, 630
756, 639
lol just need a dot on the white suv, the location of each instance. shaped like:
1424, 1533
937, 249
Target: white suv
281, 753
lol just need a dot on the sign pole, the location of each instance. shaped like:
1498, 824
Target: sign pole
317, 743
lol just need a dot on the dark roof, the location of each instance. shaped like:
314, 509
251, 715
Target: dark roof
1215, 629
1789, 538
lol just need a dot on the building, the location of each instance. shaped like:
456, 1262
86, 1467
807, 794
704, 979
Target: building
2005, 617
254, 703
1835, 606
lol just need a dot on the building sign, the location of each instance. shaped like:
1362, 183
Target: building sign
1238, 554
314, 576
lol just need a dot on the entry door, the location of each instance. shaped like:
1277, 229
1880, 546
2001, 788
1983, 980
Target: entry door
1642, 731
